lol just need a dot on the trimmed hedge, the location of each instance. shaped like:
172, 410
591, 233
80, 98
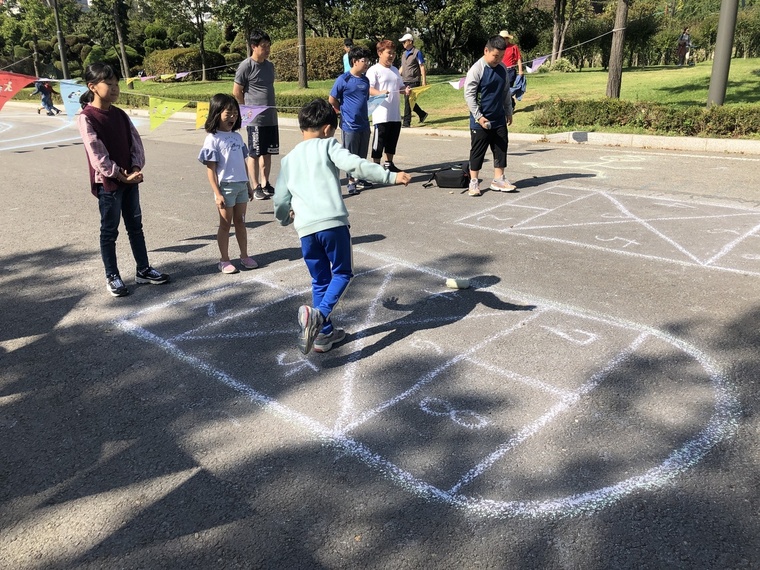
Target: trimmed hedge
184, 59
324, 58
734, 121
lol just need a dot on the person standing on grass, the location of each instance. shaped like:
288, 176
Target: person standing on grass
115, 157
384, 79
308, 196
684, 41
512, 60
224, 155
413, 73
349, 95
254, 85
486, 92
348, 43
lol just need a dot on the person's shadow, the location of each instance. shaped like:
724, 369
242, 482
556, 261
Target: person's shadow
437, 310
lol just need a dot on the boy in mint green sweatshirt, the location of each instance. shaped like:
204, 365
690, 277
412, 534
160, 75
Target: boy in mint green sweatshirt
308, 195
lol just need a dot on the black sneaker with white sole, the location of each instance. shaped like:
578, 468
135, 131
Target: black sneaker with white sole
258, 193
116, 286
363, 184
150, 275
268, 189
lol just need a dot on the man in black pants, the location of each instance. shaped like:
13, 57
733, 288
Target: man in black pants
413, 74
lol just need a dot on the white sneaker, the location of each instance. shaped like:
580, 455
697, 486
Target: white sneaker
502, 185
474, 189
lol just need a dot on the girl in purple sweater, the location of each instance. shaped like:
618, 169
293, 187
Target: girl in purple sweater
115, 158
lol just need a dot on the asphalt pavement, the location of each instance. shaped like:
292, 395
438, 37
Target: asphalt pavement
590, 401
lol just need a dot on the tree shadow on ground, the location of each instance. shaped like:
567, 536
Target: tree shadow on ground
114, 453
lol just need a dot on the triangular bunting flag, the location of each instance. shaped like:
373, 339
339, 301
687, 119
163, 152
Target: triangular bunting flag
70, 93
130, 80
181, 75
536, 64
201, 114
12, 83
458, 84
162, 109
416, 92
249, 112
146, 77
374, 102
166, 76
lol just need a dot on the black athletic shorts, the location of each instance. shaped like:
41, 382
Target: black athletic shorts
263, 140
385, 138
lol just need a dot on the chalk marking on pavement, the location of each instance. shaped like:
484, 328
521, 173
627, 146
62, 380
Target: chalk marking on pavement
731, 245
560, 407
721, 425
430, 405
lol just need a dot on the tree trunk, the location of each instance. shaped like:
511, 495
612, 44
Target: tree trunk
201, 48
303, 82
120, 36
36, 58
615, 77
559, 20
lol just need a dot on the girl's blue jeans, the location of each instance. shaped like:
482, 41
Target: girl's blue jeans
125, 202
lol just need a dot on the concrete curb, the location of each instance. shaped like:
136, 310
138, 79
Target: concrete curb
692, 144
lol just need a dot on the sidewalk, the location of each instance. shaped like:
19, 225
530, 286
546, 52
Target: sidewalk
692, 144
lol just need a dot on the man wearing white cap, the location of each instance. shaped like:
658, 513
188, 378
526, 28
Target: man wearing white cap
413, 73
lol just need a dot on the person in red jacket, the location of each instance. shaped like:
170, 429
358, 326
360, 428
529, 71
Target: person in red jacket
512, 59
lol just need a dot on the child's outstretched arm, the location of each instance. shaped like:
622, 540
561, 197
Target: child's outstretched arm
403, 178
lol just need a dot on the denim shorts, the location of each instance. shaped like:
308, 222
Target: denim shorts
234, 193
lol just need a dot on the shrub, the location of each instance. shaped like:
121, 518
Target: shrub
563, 65
323, 58
183, 59
654, 118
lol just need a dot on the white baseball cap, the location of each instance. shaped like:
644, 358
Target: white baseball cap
406, 37
505, 34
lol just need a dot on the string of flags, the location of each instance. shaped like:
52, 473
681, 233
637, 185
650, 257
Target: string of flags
160, 109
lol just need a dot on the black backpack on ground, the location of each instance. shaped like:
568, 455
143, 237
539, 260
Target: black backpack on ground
450, 177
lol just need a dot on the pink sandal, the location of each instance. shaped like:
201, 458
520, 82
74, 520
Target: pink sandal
248, 262
227, 267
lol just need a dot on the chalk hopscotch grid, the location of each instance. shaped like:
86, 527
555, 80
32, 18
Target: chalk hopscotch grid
523, 227
721, 425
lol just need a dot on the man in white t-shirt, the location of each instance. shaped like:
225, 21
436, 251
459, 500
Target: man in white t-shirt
384, 79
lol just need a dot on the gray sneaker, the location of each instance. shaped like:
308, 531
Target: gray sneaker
310, 320
325, 342
259, 194
502, 185
474, 187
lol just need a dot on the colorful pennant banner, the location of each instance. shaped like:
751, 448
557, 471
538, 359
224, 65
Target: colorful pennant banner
70, 93
161, 109
12, 83
416, 92
374, 102
201, 114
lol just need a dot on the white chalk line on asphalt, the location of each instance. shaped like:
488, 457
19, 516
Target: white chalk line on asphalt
721, 425
629, 218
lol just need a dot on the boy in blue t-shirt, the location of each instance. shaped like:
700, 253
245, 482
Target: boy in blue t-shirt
349, 96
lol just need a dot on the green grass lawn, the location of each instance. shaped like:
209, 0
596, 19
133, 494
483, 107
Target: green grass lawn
670, 85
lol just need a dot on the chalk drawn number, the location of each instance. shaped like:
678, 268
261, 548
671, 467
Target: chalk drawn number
465, 418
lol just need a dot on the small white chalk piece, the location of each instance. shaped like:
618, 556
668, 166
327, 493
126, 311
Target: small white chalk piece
457, 283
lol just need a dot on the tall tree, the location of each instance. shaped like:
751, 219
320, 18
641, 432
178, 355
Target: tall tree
565, 11
615, 76
193, 13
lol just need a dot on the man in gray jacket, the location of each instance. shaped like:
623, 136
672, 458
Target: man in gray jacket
486, 92
413, 74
